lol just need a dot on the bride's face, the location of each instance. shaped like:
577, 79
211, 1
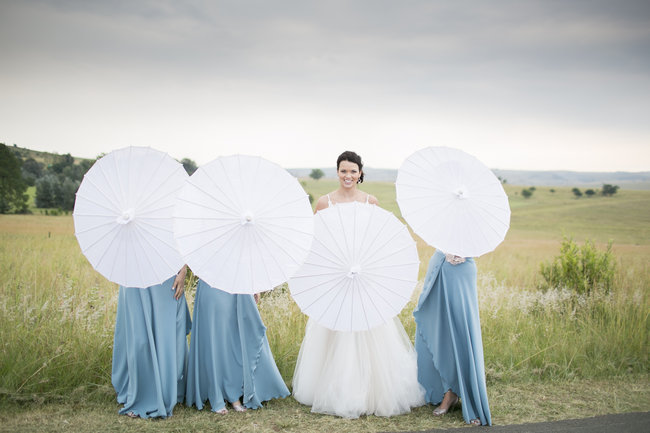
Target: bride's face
348, 174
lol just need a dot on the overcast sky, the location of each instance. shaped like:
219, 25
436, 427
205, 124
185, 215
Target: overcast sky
531, 85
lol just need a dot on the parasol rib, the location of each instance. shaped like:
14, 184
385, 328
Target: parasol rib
341, 279
378, 294
156, 250
346, 292
396, 265
267, 235
144, 188
92, 244
178, 179
229, 233
90, 183
271, 254
109, 223
338, 278
375, 250
343, 254
225, 210
372, 302
336, 260
232, 233
393, 252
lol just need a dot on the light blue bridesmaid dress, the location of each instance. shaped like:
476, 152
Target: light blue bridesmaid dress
150, 350
230, 355
448, 337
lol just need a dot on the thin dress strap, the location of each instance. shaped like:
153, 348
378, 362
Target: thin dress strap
368, 199
329, 201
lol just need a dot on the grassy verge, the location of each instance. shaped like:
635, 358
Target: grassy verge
511, 403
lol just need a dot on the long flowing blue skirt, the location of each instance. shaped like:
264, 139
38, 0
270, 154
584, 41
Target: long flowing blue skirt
448, 337
150, 350
230, 355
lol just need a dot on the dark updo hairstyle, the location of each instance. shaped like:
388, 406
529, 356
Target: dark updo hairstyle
352, 157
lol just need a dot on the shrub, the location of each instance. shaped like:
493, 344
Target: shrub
609, 189
590, 192
526, 193
316, 174
580, 268
576, 192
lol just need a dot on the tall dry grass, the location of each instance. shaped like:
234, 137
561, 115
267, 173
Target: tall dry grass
57, 314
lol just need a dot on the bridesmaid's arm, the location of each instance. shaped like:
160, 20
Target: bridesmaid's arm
179, 283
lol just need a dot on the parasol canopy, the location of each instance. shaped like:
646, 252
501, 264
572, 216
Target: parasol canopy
453, 201
243, 224
122, 216
361, 270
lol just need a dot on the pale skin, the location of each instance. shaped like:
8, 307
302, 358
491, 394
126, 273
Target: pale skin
179, 283
348, 174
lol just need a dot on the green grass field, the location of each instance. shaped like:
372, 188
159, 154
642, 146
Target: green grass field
548, 355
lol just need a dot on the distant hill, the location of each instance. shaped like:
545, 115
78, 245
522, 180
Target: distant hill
46, 158
626, 180
371, 174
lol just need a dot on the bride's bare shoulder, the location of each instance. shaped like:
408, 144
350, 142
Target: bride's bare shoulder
322, 202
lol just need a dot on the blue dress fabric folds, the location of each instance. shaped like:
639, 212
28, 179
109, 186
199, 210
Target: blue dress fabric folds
230, 355
150, 350
448, 337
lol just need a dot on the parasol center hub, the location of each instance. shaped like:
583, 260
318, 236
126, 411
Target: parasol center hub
354, 271
247, 218
126, 217
461, 192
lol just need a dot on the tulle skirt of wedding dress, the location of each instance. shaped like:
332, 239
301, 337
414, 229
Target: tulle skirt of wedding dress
350, 374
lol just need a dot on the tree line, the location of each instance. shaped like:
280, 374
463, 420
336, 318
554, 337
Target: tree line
56, 182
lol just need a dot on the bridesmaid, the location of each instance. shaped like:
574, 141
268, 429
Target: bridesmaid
230, 358
150, 348
448, 339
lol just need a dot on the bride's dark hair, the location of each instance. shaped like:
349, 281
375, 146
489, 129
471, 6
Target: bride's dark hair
352, 157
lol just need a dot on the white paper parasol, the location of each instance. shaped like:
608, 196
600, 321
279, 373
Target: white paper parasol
243, 224
122, 216
361, 271
453, 201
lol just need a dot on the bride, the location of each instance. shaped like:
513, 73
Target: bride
354, 373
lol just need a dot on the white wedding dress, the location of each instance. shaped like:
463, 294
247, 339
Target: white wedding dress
354, 373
